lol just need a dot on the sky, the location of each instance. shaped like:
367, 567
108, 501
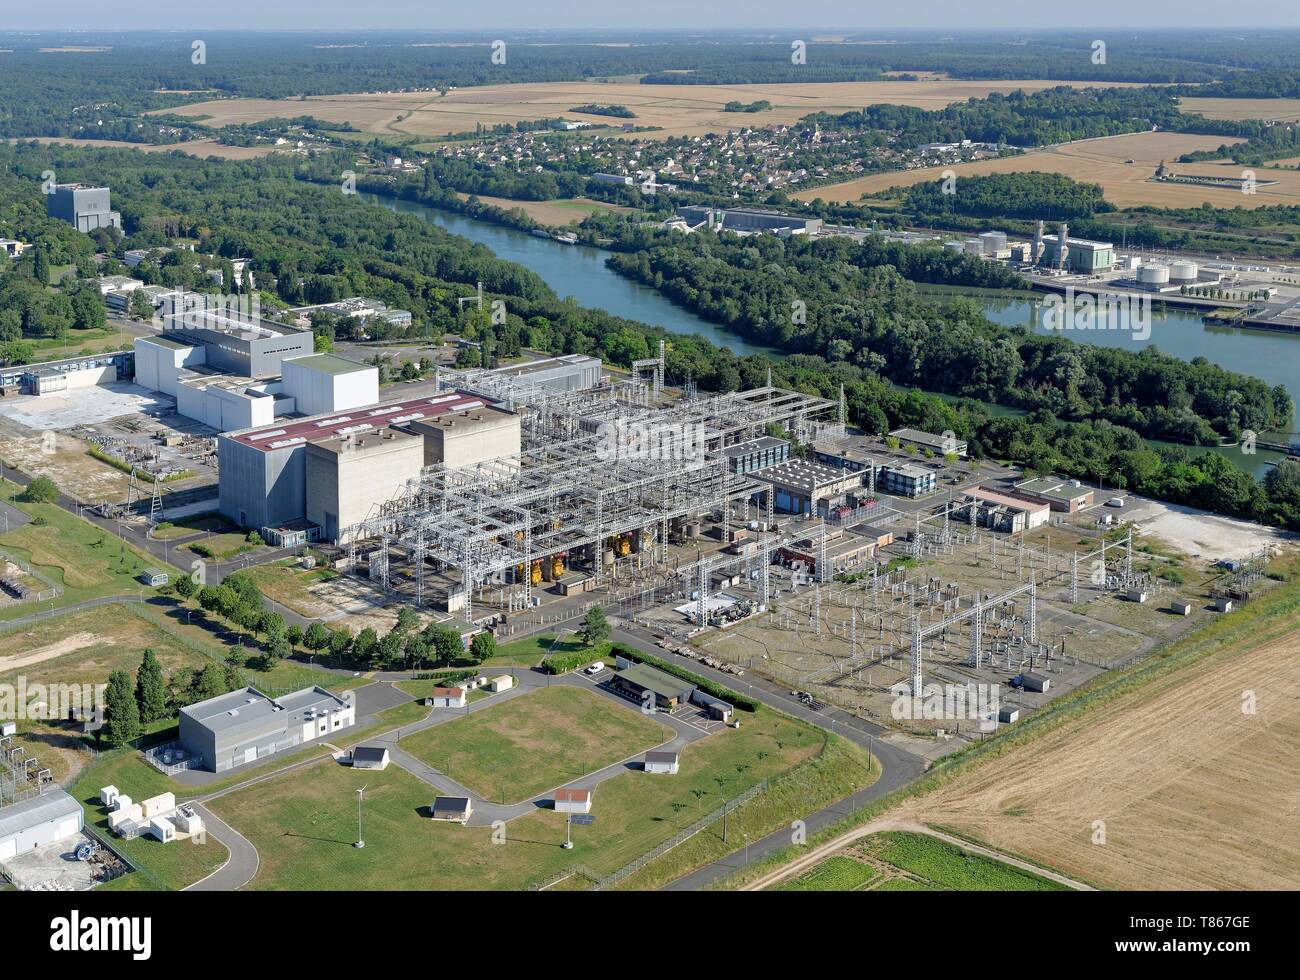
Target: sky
663, 14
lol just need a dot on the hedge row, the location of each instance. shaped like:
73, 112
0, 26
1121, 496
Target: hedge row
737, 699
562, 663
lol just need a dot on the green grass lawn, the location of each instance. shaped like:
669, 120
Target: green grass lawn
87, 561
521, 747
189, 525
946, 866
221, 546
634, 812
835, 874
903, 885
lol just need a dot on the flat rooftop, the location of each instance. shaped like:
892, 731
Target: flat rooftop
320, 428
1052, 487
249, 709
545, 364
801, 474
329, 364
369, 442
753, 446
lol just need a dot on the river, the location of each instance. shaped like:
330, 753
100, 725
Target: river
579, 271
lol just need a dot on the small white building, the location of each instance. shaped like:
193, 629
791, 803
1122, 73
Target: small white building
162, 829
370, 757
456, 809
502, 682
108, 795
665, 762
1008, 713
1035, 682
573, 801
1180, 607
448, 697
157, 806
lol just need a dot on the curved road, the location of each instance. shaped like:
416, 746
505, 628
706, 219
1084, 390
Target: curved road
240, 866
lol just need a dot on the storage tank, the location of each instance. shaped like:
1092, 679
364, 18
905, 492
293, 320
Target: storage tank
952, 246
1183, 271
1153, 274
993, 241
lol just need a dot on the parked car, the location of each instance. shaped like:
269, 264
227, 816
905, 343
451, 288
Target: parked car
596, 668
1115, 502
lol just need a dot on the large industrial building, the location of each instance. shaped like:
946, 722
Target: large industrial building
244, 726
567, 372
335, 470
233, 374
85, 208
749, 220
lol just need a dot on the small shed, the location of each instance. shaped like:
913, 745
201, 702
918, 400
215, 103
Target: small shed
1135, 595
452, 808
370, 757
1223, 604
187, 821
1035, 682
448, 697
8, 728
665, 762
573, 801
1008, 713
158, 805
502, 682
162, 829
108, 795
154, 577
1180, 607
122, 802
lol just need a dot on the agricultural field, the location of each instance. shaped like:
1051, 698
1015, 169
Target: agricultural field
556, 213
194, 148
1274, 110
513, 751
635, 811
677, 110
1103, 161
1199, 752
835, 874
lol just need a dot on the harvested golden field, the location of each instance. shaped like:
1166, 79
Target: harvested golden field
1278, 110
194, 148
1104, 161
1194, 791
554, 213
685, 110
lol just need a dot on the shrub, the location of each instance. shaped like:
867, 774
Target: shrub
42, 490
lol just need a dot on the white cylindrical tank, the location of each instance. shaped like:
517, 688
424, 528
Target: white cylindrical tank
1183, 271
1153, 274
953, 246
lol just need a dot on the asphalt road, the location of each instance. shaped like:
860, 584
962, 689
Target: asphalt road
898, 767
239, 868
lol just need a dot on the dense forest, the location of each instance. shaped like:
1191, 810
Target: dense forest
1030, 196
859, 305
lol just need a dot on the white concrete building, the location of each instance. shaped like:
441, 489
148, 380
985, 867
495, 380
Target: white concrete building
325, 383
53, 816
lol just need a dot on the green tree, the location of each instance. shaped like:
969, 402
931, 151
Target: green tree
150, 689
209, 682
447, 645
185, 587
363, 647
595, 627
41, 490
317, 637
483, 647
121, 713
407, 620
417, 650
141, 305
41, 266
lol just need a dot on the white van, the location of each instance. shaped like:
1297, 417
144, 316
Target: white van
596, 668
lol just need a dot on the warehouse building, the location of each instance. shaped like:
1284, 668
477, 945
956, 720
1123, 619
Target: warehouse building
243, 726
749, 220
846, 551
1063, 495
45, 819
802, 487
997, 511
844, 458
567, 372
85, 208
668, 691
937, 444
1082, 256
263, 469
238, 343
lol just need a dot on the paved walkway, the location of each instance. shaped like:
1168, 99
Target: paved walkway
240, 866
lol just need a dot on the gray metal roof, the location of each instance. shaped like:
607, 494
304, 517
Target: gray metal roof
248, 710
451, 804
661, 757
369, 753
53, 804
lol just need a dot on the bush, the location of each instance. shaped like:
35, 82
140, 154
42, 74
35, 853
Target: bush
42, 490
562, 663
737, 700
